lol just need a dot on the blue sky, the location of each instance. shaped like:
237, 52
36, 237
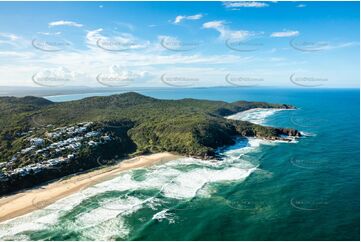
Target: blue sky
179, 44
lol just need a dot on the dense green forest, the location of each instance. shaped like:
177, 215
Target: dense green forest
41, 140
187, 126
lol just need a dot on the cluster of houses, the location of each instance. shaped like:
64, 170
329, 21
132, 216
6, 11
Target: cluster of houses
53, 149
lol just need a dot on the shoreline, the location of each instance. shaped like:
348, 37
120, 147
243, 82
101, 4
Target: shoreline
24, 202
237, 116
257, 109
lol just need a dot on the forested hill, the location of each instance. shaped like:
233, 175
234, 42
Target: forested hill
186, 126
42, 140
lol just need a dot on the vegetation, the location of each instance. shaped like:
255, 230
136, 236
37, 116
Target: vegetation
187, 126
122, 125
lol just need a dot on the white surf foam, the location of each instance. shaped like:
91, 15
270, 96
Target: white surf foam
307, 134
256, 115
106, 231
39, 219
183, 178
178, 179
259, 116
109, 210
164, 215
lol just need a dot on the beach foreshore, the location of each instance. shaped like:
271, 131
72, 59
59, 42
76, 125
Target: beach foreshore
242, 113
27, 201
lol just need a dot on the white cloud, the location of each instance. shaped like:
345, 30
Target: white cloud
91, 62
12, 40
169, 39
348, 44
301, 5
213, 24
55, 77
9, 36
65, 23
328, 46
93, 36
125, 25
49, 33
61, 71
225, 32
180, 18
118, 42
277, 59
17, 54
285, 33
144, 66
122, 74
245, 4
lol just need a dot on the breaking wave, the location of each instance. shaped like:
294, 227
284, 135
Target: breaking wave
256, 115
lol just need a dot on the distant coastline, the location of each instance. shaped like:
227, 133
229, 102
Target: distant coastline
104, 91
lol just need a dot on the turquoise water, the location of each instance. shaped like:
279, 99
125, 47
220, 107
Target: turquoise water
306, 190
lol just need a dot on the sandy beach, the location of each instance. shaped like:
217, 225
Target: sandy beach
24, 202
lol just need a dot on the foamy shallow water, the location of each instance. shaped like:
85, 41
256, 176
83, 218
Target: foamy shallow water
180, 179
256, 115
100, 212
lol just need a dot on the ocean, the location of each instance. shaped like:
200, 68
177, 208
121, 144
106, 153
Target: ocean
259, 190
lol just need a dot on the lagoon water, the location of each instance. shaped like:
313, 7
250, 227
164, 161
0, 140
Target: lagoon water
305, 190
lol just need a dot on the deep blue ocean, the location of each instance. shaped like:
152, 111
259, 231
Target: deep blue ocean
305, 190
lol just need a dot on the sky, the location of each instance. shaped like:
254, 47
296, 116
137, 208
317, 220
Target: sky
180, 44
